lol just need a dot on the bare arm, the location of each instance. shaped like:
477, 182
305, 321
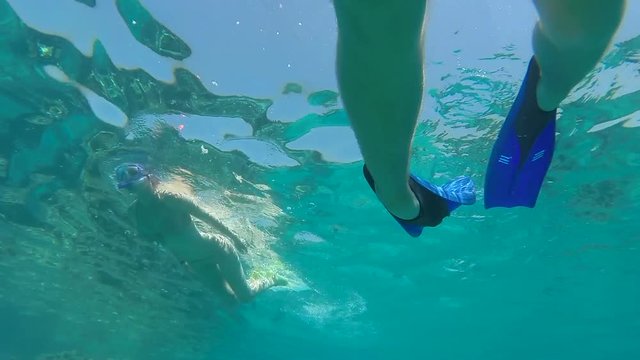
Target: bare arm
191, 206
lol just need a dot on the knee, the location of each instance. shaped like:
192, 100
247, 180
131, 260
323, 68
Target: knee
580, 23
244, 297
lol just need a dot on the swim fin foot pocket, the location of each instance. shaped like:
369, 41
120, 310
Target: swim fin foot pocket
523, 151
436, 202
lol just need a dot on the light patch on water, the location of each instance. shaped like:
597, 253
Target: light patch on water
101, 107
622, 77
634, 120
335, 143
629, 121
261, 187
605, 125
259, 152
326, 312
305, 236
210, 129
102, 22
56, 73
289, 108
227, 134
459, 267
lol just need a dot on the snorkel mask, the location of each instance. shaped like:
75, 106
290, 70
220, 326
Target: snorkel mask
130, 174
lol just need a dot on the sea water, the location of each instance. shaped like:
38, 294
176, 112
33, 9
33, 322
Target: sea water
237, 100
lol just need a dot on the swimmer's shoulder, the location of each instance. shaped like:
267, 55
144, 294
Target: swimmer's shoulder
175, 199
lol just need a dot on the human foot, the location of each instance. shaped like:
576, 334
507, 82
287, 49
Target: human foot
434, 202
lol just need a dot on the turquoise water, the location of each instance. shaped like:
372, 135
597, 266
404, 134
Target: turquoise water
558, 281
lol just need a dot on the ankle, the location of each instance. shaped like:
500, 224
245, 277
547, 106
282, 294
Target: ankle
401, 203
548, 99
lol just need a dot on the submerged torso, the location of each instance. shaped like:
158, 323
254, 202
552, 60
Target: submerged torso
158, 219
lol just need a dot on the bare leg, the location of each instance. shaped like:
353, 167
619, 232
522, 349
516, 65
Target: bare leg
568, 41
224, 258
380, 72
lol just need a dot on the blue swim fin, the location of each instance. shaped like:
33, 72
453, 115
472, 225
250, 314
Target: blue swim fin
436, 202
523, 151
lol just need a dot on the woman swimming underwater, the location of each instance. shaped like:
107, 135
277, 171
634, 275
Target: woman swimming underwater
163, 214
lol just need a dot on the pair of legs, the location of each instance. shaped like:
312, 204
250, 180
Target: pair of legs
381, 76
